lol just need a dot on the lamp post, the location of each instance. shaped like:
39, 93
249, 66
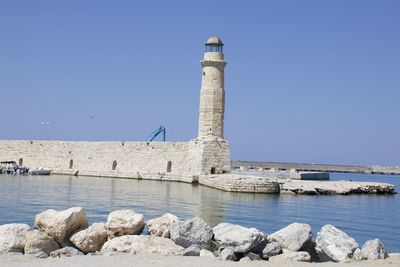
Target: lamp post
44, 124
91, 117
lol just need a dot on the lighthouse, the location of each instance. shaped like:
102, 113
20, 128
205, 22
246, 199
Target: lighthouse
209, 152
212, 93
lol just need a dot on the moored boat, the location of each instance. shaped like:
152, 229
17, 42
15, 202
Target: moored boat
40, 171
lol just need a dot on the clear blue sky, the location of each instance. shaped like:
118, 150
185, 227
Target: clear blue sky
307, 81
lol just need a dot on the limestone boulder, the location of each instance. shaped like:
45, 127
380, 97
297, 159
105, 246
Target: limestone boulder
13, 237
239, 238
193, 250
288, 255
293, 237
91, 239
61, 224
228, 254
194, 231
39, 244
124, 222
334, 244
357, 256
65, 252
137, 244
271, 249
373, 250
160, 226
206, 253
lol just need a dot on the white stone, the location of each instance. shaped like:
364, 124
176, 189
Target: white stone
373, 250
206, 253
240, 238
124, 222
135, 244
271, 249
334, 244
65, 252
160, 226
357, 256
193, 250
61, 224
91, 239
228, 254
13, 237
293, 237
39, 244
194, 231
302, 256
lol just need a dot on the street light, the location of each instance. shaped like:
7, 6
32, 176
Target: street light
44, 124
91, 126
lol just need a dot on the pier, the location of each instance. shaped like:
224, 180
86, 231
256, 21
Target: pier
313, 167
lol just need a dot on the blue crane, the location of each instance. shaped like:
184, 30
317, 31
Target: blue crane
158, 131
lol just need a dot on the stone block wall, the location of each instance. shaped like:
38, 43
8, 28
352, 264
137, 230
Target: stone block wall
179, 161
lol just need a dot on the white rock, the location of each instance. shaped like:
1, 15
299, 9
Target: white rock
61, 224
160, 226
192, 232
39, 244
135, 244
12, 237
291, 256
357, 256
373, 250
240, 238
124, 222
193, 250
65, 252
271, 249
91, 239
334, 244
228, 254
293, 236
206, 253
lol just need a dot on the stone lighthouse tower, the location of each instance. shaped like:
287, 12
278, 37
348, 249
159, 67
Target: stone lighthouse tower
211, 150
212, 94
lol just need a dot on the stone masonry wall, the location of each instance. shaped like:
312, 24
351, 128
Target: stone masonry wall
142, 160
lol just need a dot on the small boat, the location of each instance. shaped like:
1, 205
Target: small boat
40, 171
11, 167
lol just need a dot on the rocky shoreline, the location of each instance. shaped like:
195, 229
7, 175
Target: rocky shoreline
67, 233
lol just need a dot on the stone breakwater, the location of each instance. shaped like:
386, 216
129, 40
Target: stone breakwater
336, 187
67, 233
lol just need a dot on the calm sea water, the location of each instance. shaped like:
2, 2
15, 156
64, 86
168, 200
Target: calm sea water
361, 216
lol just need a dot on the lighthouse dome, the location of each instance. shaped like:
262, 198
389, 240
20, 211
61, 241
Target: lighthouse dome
214, 40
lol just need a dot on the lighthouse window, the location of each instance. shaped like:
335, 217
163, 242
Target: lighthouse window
213, 48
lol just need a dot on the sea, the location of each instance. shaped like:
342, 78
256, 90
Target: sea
362, 217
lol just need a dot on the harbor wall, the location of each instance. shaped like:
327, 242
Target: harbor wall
179, 161
313, 167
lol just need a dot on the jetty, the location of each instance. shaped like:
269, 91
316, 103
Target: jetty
314, 167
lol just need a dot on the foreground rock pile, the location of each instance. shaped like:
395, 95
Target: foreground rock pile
67, 233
